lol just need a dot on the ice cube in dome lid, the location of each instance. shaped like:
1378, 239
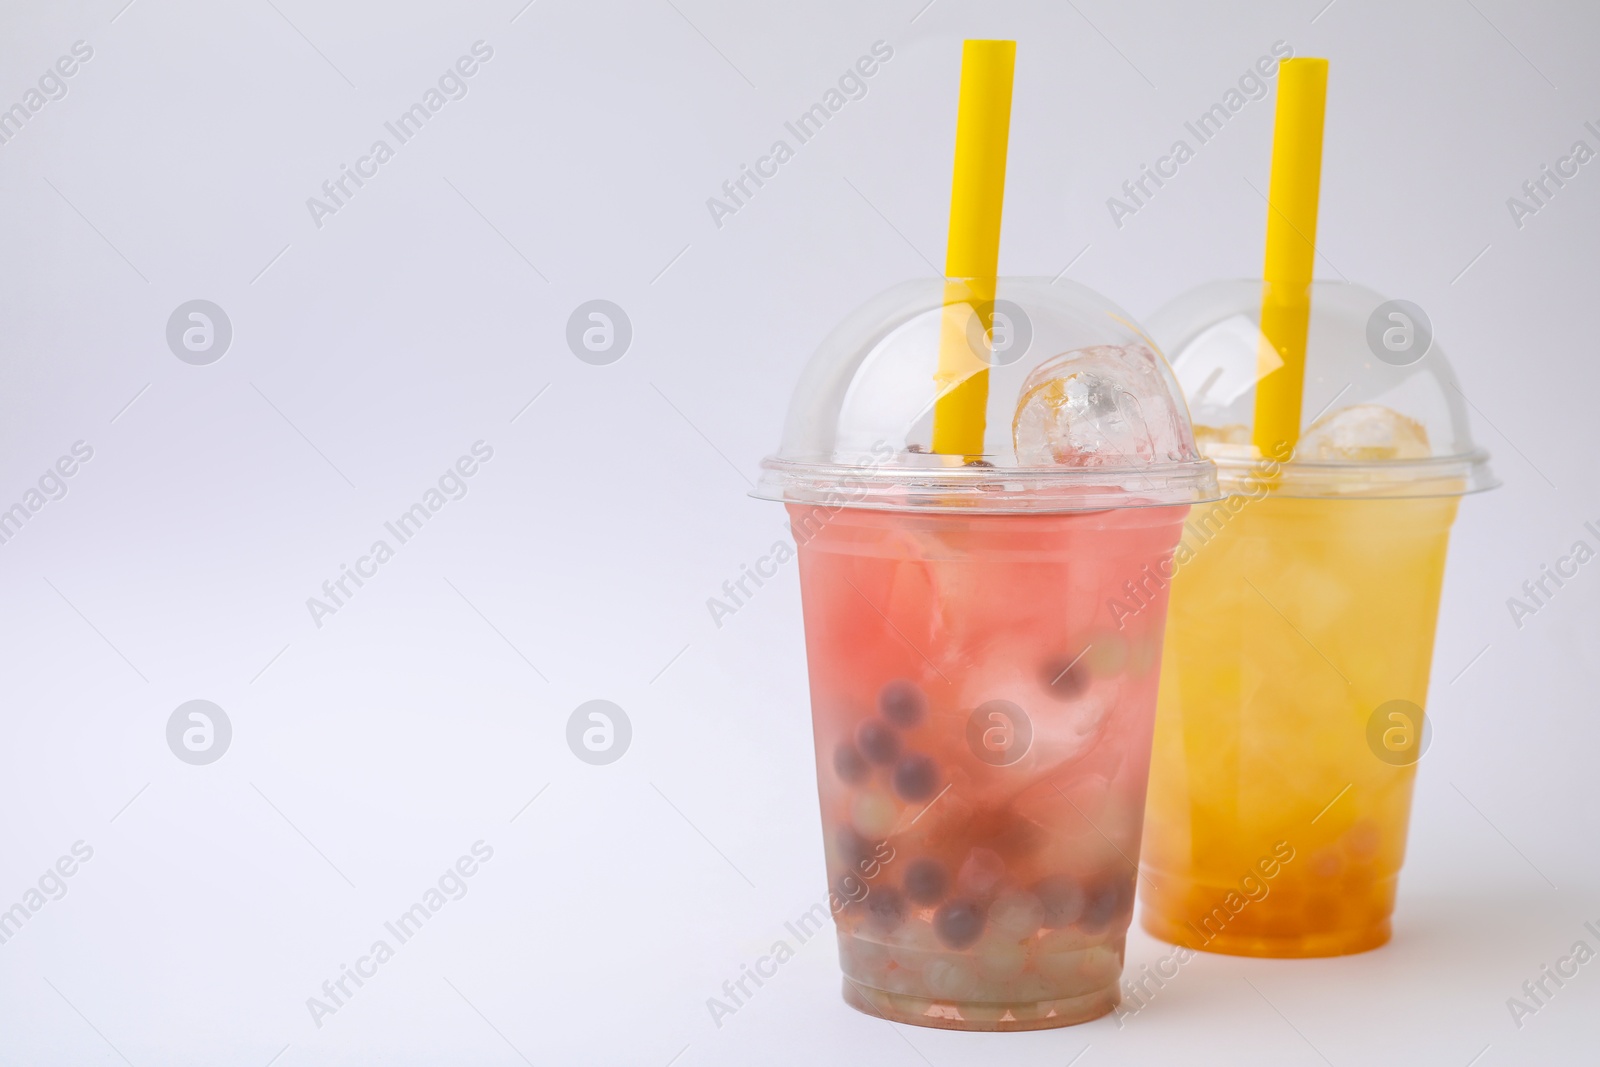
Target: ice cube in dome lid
1072, 380
1381, 413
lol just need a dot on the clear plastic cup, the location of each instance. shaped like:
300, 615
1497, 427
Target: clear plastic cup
982, 721
1300, 632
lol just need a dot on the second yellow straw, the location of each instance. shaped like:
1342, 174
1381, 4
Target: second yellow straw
1291, 250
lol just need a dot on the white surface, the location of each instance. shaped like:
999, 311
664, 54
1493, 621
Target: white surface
406, 728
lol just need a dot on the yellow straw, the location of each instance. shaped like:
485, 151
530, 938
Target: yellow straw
1291, 248
983, 128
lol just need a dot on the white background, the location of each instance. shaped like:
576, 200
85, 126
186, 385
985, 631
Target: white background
369, 753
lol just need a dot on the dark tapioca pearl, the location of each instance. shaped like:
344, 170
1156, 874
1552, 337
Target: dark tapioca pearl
916, 777
886, 908
1066, 677
1063, 900
1105, 903
902, 703
926, 881
849, 764
959, 923
848, 891
877, 741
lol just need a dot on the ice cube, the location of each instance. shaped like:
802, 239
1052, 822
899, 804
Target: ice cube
1097, 407
1364, 433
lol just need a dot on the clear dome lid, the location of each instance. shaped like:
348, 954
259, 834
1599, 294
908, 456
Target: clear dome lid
1080, 412
1381, 414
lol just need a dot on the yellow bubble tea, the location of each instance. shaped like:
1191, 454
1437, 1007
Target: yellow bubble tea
1300, 632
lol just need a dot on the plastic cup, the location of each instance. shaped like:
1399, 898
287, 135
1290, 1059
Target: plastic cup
982, 721
1301, 628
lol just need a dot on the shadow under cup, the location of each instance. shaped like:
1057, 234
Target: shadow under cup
983, 692
1290, 722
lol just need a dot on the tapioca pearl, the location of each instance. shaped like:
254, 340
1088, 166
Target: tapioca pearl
886, 909
1066, 941
981, 873
1326, 863
1058, 961
863, 957
1031, 990
1359, 878
902, 703
1066, 677
926, 881
1108, 652
1059, 973
850, 886
864, 960
911, 944
959, 923
873, 815
1282, 924
1016, 913
1379, 904
1105, 904
845, 892
916, 777
1099, 966
1001, 958
1063, 899
1363, 840
849, 764
1288, 893
877, 741
1322, 912
905, 981
950, 979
